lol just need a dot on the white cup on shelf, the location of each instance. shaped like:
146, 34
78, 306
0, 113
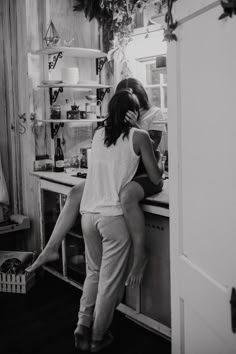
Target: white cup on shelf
70, 75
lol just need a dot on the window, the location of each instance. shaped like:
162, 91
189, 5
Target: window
154, 80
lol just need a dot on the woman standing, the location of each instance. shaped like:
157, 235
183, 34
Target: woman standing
116, 151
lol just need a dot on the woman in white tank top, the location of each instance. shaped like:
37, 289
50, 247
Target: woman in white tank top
111, 168
116, 151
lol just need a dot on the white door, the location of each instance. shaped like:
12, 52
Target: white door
202, 149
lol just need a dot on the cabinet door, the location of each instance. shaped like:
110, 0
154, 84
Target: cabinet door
75, 258
71, 263
74, 252
153, 298
50, 210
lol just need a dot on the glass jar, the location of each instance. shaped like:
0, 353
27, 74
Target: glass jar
55, 112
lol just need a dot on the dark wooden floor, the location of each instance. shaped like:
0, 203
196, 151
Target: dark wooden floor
43, 321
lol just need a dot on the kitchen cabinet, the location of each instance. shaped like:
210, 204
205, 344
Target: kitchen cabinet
148, 305
71, 263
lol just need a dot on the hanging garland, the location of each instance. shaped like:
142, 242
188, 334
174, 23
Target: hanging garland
117, 18
93, 9
229, 7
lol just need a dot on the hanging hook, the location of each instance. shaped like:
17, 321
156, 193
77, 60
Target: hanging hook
22, 128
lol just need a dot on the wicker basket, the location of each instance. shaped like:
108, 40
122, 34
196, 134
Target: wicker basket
16, 283
20, 284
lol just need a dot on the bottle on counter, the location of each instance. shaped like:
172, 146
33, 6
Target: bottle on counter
59, 157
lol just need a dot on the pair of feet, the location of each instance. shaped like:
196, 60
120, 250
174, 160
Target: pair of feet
84, 342
134, 278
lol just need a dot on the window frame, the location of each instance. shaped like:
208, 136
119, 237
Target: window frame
141, 75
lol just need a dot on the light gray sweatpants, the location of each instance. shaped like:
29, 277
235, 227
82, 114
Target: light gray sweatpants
107, 247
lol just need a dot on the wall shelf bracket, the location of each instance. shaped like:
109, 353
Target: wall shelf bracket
101, 93
99, 64
55, 128
54, 94
52, 63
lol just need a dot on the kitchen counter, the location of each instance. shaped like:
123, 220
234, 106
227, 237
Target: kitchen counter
59, 177
157, 203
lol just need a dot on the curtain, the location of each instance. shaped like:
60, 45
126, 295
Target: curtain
9, 132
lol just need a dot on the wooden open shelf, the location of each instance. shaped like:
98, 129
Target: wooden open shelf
71, 120
74, 86
73, 52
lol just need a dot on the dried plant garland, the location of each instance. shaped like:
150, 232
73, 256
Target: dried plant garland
92, 9
117, 18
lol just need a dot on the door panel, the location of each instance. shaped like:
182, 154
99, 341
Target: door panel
207, 298
202, 127
205, 340
208, 144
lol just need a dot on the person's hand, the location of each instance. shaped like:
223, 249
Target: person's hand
131, 118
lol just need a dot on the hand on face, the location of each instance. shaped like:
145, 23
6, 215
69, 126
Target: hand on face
132, 117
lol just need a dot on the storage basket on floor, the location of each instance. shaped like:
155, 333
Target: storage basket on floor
16, 283
20, 284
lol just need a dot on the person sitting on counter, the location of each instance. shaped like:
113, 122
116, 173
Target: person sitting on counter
130, 196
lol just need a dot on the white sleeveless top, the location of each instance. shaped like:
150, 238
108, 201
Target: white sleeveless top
110, 169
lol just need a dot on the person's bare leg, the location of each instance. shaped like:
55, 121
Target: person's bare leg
130, 197
64, 223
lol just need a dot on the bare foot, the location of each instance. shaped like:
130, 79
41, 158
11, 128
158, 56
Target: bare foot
136, 273
47, 255
82, 336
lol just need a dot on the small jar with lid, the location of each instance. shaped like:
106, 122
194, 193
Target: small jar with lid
55, 112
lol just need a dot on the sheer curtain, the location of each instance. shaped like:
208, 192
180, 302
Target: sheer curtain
9, 132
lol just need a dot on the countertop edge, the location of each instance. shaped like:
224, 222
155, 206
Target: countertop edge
156, 204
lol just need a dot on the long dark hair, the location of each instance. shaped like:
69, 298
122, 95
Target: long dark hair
115, 123
138, 90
